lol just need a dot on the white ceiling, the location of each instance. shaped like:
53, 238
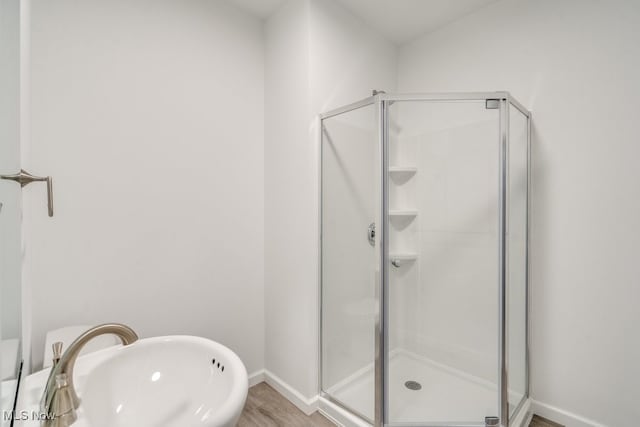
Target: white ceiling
403, 20
398, 20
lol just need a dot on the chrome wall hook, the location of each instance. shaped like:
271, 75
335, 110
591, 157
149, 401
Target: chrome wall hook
25, 178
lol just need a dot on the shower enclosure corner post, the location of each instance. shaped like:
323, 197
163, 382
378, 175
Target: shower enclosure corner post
318, 140
381, 323
503, 403
528, 267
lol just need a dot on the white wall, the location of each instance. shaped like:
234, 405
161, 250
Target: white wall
310, 68
348, 59
575, 65
149, 116
290, 267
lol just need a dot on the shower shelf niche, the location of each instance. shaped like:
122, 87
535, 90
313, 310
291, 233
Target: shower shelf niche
402, 174
402, 213
403, 170
399, 259
404, 256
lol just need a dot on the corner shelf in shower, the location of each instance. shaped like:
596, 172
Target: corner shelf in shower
408, 170
397, 213
403, 256
402, 174
400, 259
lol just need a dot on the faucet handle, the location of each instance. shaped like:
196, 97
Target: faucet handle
62, 411
57, 352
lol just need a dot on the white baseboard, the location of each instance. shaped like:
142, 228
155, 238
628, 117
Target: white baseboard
306, 405
256, 378
566, 418
310, 405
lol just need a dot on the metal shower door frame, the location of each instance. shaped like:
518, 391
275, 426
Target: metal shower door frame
382, 103
371, 100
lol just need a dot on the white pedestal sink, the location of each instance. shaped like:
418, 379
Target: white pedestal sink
154, 382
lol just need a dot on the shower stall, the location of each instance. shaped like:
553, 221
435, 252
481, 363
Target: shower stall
424, 206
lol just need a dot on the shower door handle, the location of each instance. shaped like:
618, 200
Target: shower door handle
25, 178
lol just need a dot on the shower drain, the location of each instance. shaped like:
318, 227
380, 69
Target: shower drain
413, 385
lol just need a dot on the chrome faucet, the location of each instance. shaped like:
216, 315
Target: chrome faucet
60, 400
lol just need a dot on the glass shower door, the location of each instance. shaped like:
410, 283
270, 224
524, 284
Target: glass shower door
348, 258
443, 278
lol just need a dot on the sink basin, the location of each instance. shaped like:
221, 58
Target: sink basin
166, 381
160, 382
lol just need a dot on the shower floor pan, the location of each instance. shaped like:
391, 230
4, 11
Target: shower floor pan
445, 394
